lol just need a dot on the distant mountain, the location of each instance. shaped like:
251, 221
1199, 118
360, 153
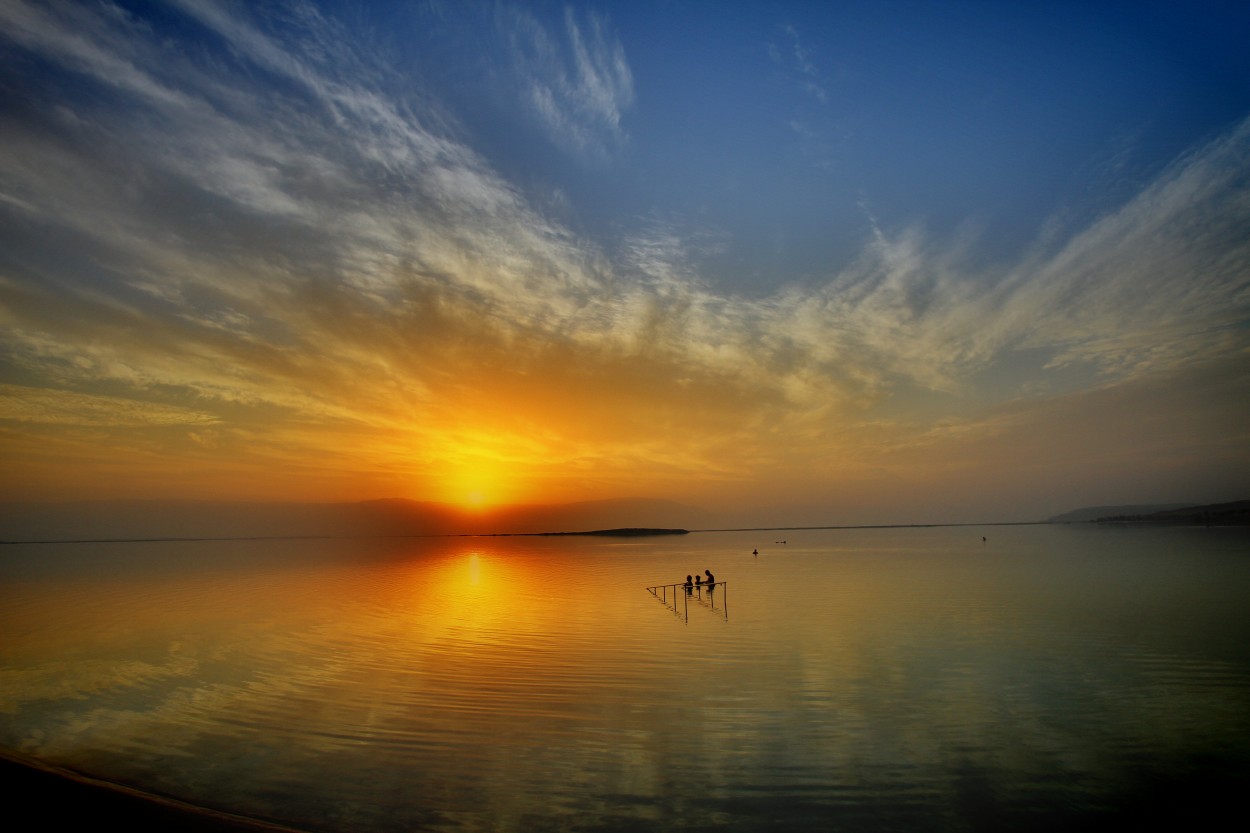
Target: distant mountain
1236, 513
145, 519
1093, 513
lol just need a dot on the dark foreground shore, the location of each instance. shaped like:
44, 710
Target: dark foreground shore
62, 799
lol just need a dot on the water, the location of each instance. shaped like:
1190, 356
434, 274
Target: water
890, 679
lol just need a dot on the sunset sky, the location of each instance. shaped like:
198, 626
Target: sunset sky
807, 263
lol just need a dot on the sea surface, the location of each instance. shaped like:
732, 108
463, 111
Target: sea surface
1047, 677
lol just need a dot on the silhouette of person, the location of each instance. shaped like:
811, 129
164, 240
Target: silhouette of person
711, 579
689, 583
698, 581
755, 552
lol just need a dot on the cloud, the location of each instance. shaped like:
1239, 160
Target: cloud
578, 83
57, 407
322, 253
796, 57
821, 133
1159, 283
98, 44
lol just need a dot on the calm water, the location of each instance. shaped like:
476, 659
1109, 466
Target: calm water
913, 679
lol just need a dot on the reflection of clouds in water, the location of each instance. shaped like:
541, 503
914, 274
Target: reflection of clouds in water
398, 682
84, 678
413, 627
405, 655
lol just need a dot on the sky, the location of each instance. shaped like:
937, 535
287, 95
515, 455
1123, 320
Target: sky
795, 262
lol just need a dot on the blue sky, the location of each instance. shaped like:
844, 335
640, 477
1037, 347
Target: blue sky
790, 131
884, 261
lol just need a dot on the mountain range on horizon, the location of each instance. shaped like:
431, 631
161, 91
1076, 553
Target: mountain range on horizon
1094, 513
1233, 513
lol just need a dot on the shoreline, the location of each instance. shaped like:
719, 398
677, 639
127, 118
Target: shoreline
63, 796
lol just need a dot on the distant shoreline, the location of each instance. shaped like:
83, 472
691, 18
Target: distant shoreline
133, 521
1190, 519
623, 532
871, 526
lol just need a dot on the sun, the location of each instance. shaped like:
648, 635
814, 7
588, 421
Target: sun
477, 484
479, 469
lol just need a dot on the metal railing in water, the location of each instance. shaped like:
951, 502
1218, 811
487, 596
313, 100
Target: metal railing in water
704, 594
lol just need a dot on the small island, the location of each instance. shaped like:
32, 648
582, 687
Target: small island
625, 532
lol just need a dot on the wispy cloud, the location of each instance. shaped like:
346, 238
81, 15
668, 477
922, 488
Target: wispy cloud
577, 82
58, 407
304, 262
791, 53
818, 129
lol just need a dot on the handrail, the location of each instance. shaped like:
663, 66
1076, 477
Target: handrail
717, 583
660, 591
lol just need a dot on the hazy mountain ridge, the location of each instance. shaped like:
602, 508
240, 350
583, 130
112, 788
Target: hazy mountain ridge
1093, 513
1235, 513
147, 519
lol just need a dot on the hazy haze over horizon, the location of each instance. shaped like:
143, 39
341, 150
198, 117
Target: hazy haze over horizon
811, 263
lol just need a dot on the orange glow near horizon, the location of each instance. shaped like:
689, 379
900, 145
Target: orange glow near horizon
389, 305
478, 479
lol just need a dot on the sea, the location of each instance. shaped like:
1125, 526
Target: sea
967, 678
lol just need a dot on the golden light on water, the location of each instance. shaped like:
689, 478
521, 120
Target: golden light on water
467, 593
505, 676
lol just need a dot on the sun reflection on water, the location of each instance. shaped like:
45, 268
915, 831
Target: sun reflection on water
488, 681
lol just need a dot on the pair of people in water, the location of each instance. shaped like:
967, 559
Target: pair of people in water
699, 582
